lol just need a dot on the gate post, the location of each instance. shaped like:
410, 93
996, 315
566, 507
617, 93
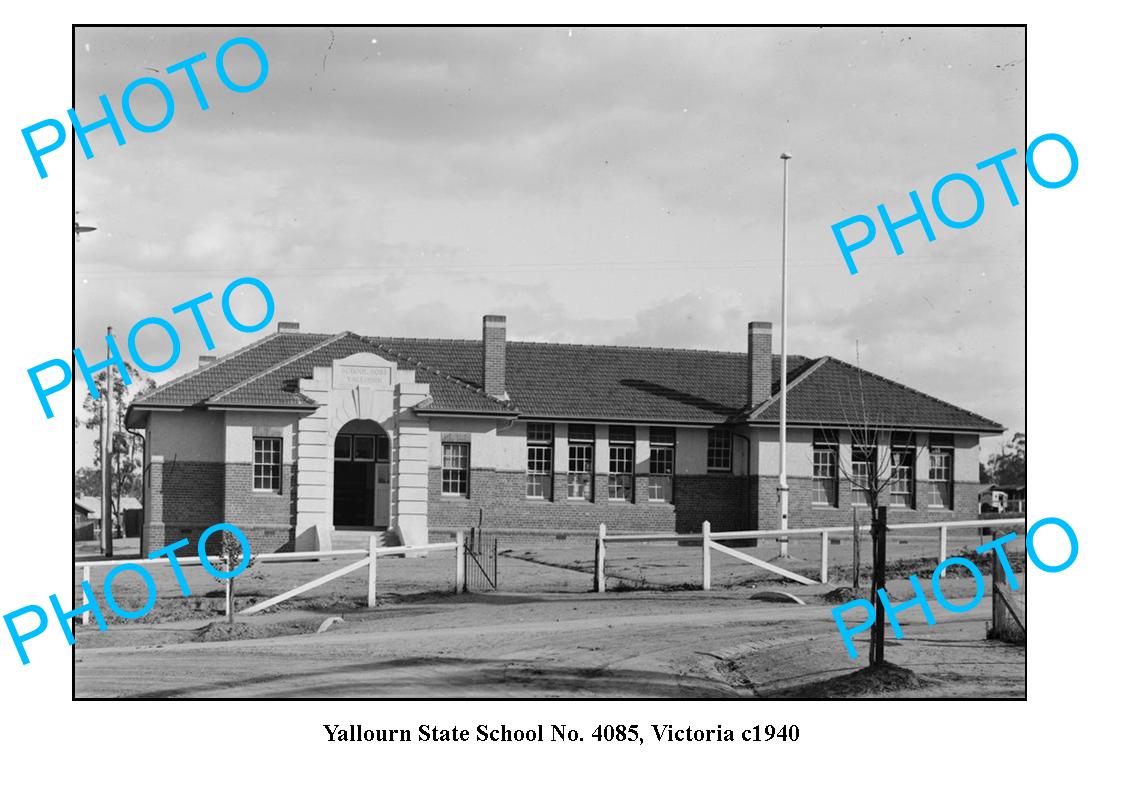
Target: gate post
824, 556
86, 577
943, 546
706, 555
372, 570
598, 576
460, 562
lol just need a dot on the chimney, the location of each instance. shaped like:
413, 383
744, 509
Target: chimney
760, 362
495, 355
206, 359
288, 326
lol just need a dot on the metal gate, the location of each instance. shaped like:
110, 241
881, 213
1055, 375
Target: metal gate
481, 561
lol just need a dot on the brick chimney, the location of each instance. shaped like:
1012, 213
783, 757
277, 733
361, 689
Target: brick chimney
760, 362
288, 326
206, 359
495, 355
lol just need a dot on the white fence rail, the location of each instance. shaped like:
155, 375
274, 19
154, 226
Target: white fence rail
710, 541
370, 559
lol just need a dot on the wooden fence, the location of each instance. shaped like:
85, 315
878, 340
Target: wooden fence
711, 542
370, 560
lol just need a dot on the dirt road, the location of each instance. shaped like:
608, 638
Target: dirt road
648, 645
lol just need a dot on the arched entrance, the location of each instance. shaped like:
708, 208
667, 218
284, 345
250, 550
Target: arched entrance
361, 491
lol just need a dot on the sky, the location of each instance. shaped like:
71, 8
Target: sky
595, 185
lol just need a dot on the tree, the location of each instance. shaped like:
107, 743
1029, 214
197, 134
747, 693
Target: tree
127, 451
1008, 468
870, 472
87, 481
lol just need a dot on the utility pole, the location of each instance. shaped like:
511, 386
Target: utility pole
107, 457
785, 157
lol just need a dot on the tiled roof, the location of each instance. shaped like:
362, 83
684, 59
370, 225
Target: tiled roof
549, 380
835, 393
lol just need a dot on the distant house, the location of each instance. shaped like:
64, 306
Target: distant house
1001, 499
300, 436
87, 518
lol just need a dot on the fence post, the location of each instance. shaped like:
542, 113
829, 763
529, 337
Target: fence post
857, 551
706, 555
460, 562
372, 571
229, 563
598, 577
823, 556
943, 546
86, 577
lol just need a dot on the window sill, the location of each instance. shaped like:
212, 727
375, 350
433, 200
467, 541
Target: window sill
268, 492
454, 498
823, 507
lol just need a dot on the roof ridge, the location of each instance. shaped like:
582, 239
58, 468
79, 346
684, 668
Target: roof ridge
916, 391
208, 366
547, 344
818, 363
278, 366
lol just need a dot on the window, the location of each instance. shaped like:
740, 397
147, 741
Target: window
902, 471
579, 479
621, 462
363, 449
940, 451
454, 469
540, 461
719, 449
660, 486
267, 464
863, 465
825, 468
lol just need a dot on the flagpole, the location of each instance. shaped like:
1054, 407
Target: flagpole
785, 157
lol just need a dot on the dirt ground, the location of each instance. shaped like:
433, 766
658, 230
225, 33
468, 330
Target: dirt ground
544, 635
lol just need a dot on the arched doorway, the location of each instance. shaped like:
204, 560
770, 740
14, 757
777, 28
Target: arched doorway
361, 491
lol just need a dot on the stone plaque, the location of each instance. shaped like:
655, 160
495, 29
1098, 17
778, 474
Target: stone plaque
361, 375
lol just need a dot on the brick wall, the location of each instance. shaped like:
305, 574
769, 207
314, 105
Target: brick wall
186, 498
720, 498
764, 508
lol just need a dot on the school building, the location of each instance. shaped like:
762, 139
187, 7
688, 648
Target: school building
307, 440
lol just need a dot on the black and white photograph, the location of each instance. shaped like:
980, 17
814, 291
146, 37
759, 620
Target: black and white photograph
550, 362
534, 398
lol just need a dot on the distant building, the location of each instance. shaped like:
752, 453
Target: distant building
299, 437
87, 518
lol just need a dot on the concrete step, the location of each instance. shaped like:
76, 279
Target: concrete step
360, 540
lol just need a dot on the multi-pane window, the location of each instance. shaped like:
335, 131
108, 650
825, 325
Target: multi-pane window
939, 471
267, 464
540, 460
621, 462
454, 469
579, 478
719, 449
825, 468
863, 467
902, 471
660, 484
362, 448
